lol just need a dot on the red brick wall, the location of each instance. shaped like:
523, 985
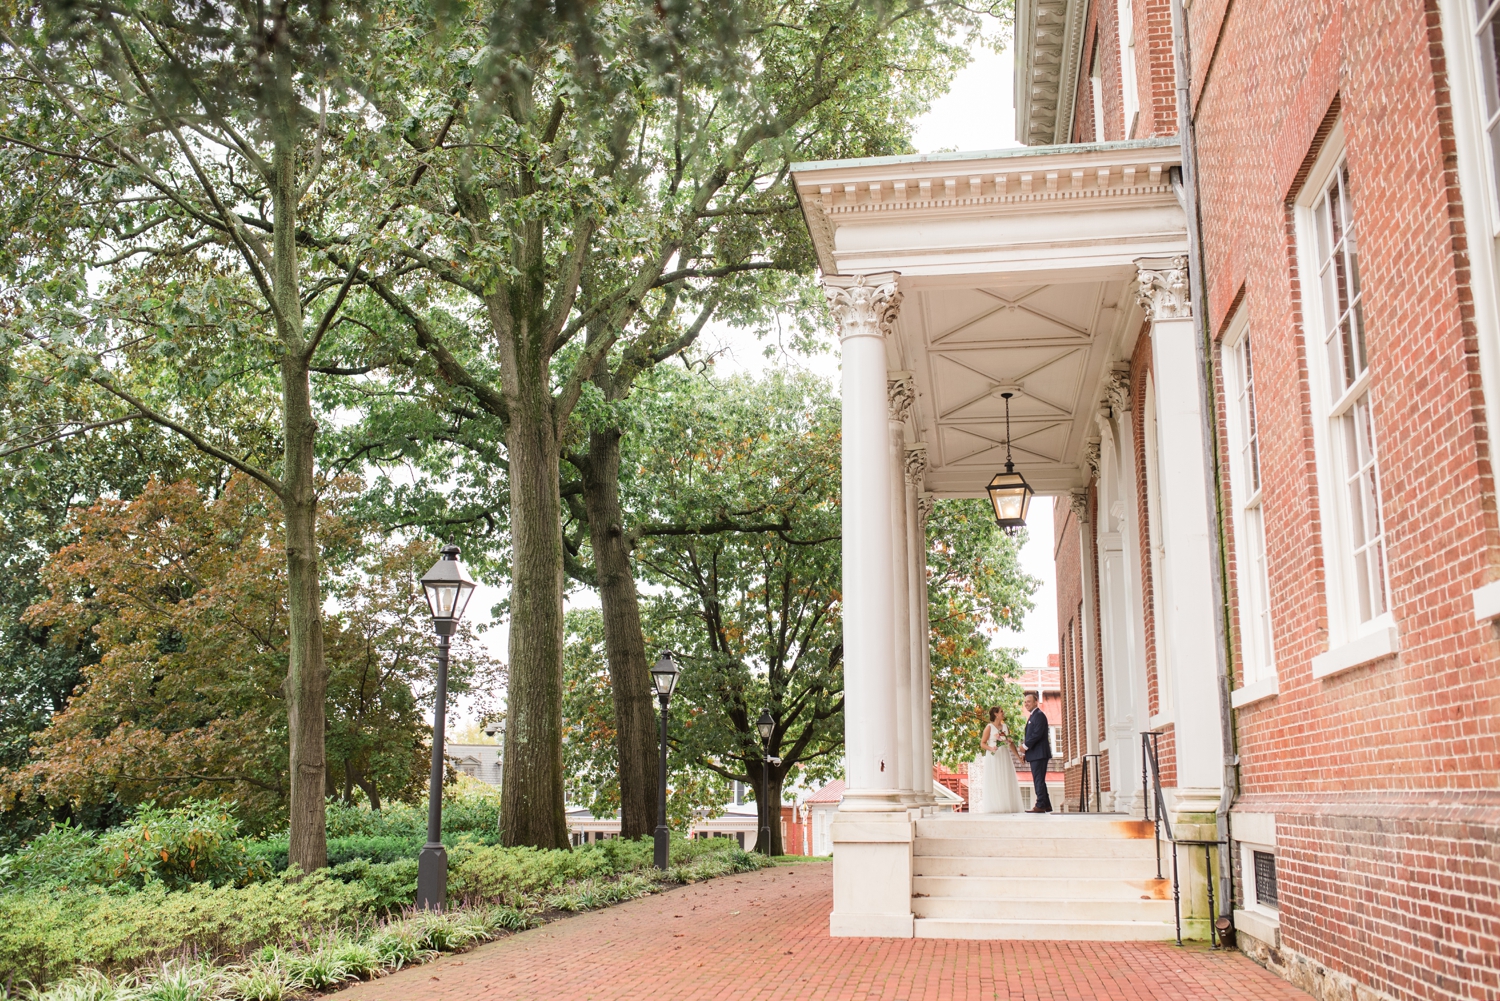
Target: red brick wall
1385, 779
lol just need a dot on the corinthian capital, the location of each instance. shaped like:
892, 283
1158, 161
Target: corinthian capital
1163, 291
1091, 456
863, 305
916, 463
1079, 501
900, 394
1117, 392
925, 500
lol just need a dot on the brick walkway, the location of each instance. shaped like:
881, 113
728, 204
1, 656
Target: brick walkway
764, 936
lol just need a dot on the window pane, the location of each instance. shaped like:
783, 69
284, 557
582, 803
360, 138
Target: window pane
1489, 42
1362, 498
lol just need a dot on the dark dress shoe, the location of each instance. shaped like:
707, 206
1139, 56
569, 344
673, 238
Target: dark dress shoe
1036, 810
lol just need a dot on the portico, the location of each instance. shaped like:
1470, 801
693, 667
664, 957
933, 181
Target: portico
955, 278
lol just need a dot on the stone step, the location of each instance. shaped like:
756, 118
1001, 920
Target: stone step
1041, 887
1047, 930
1042, 909
1025, 826
1143, 867
1040, 847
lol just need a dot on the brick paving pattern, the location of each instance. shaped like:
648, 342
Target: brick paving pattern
764, 936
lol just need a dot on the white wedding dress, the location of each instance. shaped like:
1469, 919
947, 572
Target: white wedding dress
999, 792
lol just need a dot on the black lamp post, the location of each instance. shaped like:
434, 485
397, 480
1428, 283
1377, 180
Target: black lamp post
664, 675
1009, 492
767, 726
448, 589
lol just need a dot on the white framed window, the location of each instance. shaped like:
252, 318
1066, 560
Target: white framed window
1344, 432
1257, 650
1125, 20
1096, 94
1486, 33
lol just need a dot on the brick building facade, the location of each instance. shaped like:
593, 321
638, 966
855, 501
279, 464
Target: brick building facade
1348, 293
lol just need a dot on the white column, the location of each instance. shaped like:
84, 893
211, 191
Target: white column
1079, 502
1182, 452
872, 832
916, 589
924, 508
900, 394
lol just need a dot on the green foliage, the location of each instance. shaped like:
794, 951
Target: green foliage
45, 933
298, 932
195, 842
975, 584
731, 488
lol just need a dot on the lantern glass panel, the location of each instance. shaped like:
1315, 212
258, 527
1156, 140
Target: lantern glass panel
1011, 496
664, 675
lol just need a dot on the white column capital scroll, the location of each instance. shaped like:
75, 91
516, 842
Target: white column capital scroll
916, 463
901, 394
1117, 392
864, 305
925, 500
1163, 290
1091, 456
1078, 500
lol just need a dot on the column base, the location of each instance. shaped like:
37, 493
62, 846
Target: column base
872, 873
872, 801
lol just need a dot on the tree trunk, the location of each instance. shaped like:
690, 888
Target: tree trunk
531, 796
307, 676
768, 809
624, 645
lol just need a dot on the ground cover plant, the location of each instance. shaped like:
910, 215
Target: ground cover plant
177, 903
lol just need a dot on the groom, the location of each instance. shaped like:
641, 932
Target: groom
1037, 749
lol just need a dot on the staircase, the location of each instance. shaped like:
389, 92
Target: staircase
1075, 876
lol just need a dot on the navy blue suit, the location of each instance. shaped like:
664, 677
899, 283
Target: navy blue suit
1038, 753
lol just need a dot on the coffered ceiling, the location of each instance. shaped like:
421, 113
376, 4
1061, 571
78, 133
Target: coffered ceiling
1048, 344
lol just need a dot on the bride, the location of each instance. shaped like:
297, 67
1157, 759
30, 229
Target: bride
999, 792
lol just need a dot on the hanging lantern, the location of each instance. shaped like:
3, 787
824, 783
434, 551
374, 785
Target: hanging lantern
1009, 492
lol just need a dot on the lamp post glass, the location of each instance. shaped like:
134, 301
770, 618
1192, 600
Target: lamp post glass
664, 674
447, 588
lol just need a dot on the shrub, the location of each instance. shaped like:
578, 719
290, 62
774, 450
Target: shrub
196, 842
45, 934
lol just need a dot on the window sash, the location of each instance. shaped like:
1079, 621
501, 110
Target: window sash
1256, 649
1487, 44
1358, 591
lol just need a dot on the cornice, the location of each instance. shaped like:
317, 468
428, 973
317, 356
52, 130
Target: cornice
1048, 58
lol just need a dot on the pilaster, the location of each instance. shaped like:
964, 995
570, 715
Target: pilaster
1187, 589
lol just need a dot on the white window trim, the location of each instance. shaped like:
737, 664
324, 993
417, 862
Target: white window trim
1125, 27
1338, 590
1477, 182
1260, 683
1257, 919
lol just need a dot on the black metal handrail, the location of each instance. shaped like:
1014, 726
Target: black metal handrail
1083, 790
1151, 780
